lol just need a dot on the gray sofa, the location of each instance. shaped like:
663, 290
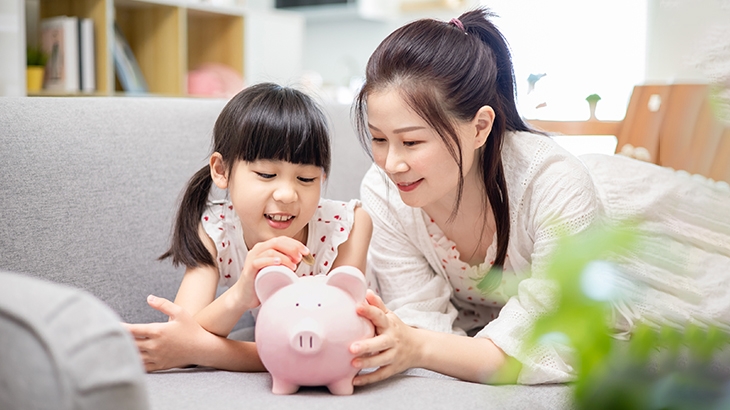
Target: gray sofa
88, 191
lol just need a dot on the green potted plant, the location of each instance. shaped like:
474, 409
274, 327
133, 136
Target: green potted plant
35, 66
593, 100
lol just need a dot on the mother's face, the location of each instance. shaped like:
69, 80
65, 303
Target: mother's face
412, 154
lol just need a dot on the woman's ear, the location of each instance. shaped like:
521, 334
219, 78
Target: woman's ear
218, 171
483, 121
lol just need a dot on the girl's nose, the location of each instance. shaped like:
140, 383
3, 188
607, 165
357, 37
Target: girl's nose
395, 163
285, 193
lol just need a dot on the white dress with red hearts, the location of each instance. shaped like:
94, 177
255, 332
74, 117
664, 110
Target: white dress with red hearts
329, 228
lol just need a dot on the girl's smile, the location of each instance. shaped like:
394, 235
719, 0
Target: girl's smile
279, 221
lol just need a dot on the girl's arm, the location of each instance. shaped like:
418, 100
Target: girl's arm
221, 314
182, 341
354, 251
398, 347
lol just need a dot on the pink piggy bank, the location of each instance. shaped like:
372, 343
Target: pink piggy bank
306, 325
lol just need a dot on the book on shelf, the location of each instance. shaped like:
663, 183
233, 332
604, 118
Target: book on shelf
87, 55
126, 66
60, 42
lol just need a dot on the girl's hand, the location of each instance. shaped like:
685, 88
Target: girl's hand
281, 250
393, 349
170, 344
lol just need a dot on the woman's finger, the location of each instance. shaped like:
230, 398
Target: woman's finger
385, 358
373, 345
376, 376
375, 315
375, 300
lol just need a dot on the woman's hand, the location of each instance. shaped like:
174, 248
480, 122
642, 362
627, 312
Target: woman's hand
281, 250
170, 344
393, 349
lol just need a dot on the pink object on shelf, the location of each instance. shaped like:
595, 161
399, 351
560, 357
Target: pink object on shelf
306, 326
214, 80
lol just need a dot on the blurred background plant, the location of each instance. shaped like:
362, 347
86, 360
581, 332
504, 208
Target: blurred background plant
36, 57
658, 367
35, 60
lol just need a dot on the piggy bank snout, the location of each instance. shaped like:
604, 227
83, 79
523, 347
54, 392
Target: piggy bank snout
307, 336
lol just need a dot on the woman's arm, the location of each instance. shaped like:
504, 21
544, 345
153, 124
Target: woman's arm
398, 347
408, 284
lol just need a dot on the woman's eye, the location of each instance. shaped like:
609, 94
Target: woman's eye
378, 140
265, 176
410, 143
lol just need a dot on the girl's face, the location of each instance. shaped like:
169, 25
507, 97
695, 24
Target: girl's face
272, 198
412, 153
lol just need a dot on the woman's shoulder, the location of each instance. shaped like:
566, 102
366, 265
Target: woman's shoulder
527, 156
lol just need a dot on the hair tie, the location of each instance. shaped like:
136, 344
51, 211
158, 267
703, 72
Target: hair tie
458, 23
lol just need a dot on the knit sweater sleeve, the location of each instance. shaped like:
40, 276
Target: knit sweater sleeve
408, 285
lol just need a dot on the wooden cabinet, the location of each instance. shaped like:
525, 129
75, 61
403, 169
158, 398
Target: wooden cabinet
167, 37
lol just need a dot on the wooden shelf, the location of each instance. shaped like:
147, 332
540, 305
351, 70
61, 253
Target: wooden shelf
168, 38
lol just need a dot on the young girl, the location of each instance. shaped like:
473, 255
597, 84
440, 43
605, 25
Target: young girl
256, 204
464, 196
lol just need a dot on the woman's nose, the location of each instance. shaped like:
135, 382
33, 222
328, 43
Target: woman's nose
395, 163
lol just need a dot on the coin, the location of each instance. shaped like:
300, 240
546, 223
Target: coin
308, 259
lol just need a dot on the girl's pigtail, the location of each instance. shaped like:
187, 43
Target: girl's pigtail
187, 248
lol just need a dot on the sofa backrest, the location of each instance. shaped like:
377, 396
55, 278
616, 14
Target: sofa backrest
89, 189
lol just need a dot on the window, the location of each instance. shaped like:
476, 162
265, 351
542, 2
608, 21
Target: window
583, 47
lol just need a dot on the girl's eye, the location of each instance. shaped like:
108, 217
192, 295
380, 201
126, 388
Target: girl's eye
410, 143
378, 140
306, 180
265, 176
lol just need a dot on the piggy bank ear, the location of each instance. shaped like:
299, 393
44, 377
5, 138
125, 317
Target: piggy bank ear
349, 279
272, 278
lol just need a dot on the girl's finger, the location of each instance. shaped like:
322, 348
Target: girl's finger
273, 259
142, 330
291, 248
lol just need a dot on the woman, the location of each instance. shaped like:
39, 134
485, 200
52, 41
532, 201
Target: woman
467, 204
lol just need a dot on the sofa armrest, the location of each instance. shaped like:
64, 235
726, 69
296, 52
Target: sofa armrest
64, 349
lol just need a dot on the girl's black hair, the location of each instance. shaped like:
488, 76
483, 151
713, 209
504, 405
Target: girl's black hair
446, 74
262, 122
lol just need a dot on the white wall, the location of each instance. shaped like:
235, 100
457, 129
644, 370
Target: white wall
12, 48
688, 41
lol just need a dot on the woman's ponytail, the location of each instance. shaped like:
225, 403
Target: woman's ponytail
186, 247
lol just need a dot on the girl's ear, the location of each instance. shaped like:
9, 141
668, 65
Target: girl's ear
483, 121
218, 171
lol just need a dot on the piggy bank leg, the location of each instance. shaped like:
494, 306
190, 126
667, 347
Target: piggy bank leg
283, 387
341, 387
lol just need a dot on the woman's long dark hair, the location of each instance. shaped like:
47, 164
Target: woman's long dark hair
446, 74
263, 122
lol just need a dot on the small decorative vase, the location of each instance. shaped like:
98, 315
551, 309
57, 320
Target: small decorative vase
34, 76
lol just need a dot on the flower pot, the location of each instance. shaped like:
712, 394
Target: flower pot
34, 76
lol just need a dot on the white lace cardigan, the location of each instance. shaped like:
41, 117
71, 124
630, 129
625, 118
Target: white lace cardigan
545, 183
